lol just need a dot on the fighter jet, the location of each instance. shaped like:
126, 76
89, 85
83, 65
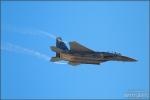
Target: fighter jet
79, 54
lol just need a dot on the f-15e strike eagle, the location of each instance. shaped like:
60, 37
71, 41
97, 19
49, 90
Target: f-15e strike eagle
79, 54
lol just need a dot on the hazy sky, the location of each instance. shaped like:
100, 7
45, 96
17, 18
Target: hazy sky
28, 29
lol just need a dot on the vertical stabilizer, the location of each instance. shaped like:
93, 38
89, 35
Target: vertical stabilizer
61, 45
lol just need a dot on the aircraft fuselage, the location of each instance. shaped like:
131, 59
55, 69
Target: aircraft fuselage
92, 58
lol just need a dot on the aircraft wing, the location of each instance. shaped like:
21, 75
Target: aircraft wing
74, 46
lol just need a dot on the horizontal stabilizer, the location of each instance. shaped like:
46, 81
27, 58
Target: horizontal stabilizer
55, 49
55, 59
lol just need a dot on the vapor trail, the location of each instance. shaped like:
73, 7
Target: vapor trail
32, 32
47, 34
38, 33
50, 35
19, 49
16, 48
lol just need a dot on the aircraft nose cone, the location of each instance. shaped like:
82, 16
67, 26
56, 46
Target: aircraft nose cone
124, 58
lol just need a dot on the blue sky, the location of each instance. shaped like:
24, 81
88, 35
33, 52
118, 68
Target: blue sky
102, 26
